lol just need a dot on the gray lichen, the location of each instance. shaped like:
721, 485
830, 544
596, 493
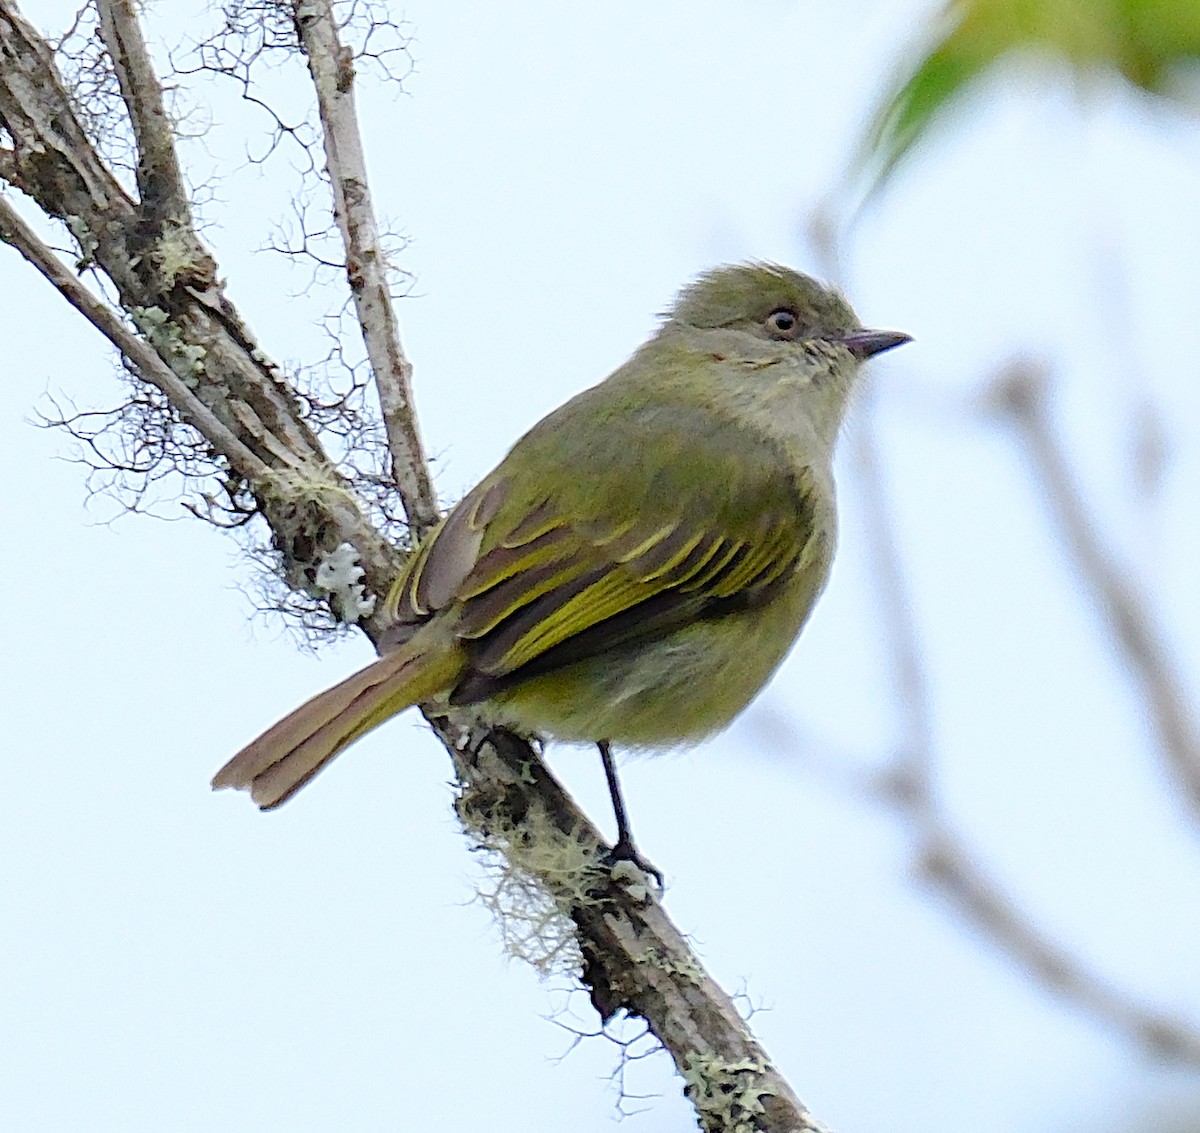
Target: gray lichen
727, 1095
186, 359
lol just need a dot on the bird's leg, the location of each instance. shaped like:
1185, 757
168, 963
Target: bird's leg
623, 849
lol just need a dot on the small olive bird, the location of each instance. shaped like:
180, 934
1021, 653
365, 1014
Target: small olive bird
640, 562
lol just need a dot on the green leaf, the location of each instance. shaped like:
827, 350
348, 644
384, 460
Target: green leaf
1146, 42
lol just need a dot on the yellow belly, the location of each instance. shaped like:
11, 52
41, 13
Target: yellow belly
674, 691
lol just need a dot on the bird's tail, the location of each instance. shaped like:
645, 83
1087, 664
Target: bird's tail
286, 756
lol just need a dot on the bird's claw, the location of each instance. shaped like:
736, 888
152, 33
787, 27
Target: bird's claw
625, 854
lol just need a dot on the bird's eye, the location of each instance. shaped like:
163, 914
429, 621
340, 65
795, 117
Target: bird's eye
782, 323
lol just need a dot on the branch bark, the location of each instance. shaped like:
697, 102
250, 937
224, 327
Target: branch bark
634, 959
159, 179
166, 281
332, 68
16, 233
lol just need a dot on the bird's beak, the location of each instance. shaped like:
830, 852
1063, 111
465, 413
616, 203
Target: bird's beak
867, 343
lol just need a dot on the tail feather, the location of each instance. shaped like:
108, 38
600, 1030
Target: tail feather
288, 754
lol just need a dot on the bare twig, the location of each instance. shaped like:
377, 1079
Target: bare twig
332, 69
255, 33
1126, 612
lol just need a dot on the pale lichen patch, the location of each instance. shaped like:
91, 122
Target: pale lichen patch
186, 359
533, 875
339, 578
727, 1095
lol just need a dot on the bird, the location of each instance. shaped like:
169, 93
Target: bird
638, 565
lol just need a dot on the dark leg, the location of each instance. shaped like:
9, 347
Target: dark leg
623, 849
624, 846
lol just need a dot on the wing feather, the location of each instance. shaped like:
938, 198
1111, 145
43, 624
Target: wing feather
547, 575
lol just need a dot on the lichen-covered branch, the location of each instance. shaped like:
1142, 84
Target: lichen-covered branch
1125, 610
16, 233
633, 957
166, 283
332, 68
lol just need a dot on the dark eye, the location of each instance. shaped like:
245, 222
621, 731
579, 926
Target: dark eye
782, 323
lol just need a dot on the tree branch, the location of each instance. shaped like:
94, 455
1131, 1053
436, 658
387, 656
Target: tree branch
50, 149
167, 282
160, 182
15, 232
907, 784
948, 865
8, 165
633, 958
332, 69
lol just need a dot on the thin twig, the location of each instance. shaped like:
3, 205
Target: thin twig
332, 69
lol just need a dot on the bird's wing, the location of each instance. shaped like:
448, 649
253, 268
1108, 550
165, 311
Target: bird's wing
691, 516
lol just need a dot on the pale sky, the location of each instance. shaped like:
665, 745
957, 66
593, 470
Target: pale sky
173, 960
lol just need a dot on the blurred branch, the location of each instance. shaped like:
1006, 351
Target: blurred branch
943, 860
1019, 395
947, 864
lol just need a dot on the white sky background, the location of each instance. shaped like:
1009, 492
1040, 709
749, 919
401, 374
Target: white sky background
173, 960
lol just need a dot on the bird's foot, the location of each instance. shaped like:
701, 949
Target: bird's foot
624, 855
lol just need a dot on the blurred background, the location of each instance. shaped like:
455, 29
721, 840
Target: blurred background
950, 856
